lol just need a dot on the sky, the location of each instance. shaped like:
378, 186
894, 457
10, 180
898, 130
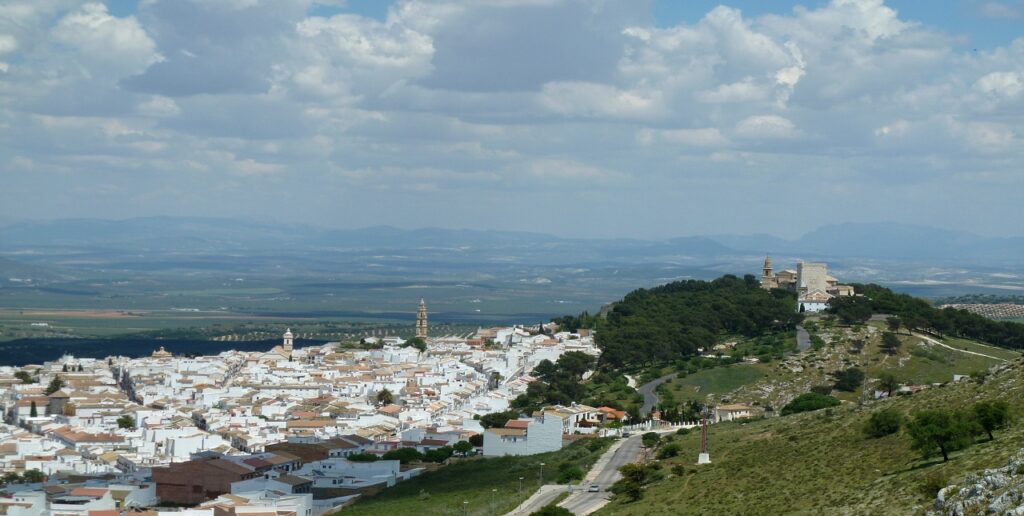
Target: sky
595, 118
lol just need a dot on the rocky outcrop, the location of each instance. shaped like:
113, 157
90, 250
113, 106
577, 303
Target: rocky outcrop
993, 491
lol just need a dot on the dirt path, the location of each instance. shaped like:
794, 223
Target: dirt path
947, 346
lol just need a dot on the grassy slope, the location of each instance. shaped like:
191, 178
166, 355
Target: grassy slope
444, 491
821, 464
720, 380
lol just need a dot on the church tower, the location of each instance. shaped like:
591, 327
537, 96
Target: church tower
421, 320
768, 280
288, 341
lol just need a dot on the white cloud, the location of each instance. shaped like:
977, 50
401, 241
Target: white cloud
120, 43
568, 169
766, 127
158, 106
705, 137
597, 100
1001, 84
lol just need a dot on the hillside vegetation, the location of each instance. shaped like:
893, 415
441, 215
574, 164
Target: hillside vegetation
672, 321
822, 462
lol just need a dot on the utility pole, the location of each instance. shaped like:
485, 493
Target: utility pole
704, 457
520, 484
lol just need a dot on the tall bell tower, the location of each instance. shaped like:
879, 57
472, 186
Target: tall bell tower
421, 320
768, 280
289, 340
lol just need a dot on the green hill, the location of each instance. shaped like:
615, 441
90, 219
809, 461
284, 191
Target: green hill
821, 463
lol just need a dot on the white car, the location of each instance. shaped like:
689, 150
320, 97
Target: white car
594, 488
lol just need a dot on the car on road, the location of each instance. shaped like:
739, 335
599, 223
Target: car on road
626, 434
594, 488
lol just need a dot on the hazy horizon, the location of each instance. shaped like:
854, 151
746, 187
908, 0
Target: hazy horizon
649, 119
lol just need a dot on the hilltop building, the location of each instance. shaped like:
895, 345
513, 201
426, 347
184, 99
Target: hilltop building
421, 320
811, 282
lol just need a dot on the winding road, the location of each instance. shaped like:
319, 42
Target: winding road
651, 398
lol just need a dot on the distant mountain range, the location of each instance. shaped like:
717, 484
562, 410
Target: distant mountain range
200, 236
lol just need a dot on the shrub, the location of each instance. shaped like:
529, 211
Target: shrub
824, 390
570, 474
884, 422
627, 488
683, 431
404, 455
650, 439
670, 450
808, 402
933, 482
552, 510
678, 470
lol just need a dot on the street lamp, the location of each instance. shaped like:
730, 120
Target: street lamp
465, 508
520, 484
494, 493
541, 473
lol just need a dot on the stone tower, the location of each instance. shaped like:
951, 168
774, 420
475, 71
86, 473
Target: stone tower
768, 280
288, 341
421, 320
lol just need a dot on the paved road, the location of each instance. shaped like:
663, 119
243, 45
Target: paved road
803, 339
650, 397
585, 502
543, 496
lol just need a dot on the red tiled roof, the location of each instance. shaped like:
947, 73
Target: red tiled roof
517, 423
88, 491
257, 462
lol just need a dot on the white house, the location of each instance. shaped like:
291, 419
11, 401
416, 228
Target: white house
539, 434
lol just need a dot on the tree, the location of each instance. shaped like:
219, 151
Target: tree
851, 309
80, 368
33, 411
476, 440
890, 343
55, 385
941, 430
384, 397
884, 422
888, 382
808, 402
650, 439
497, 419
463, 447
416, 342
24, 377
635, 472
894, 323
65, 368
363, 457
33, 476
849, 380
404, 455
992, 415
126, 421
